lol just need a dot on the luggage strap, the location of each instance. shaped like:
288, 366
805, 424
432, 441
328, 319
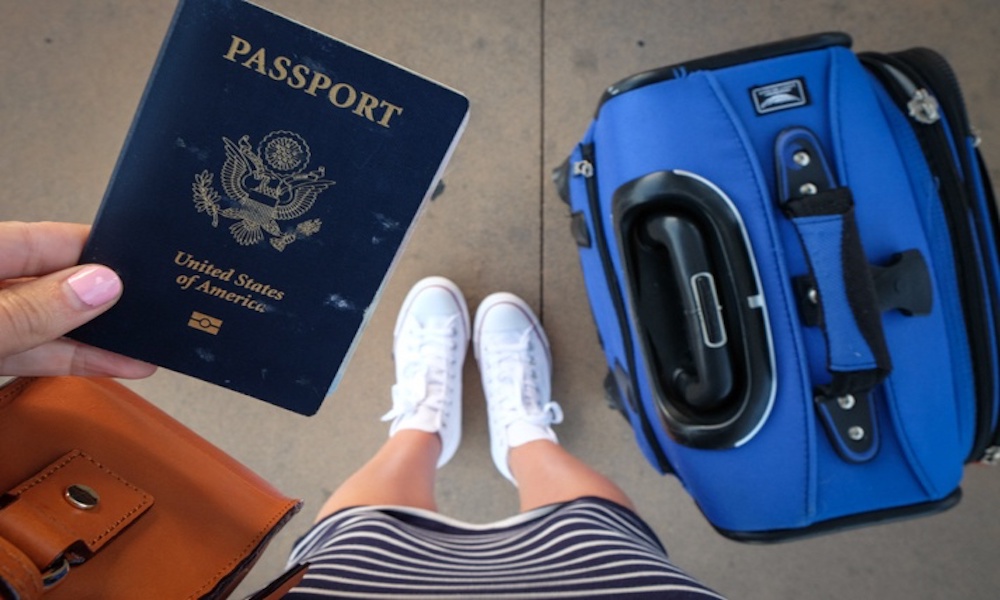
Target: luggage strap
842, 290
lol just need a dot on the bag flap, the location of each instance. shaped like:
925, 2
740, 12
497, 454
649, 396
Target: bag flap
213, 516
70, 509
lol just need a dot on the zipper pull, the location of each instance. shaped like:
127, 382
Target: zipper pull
583, 168
923, 107
991, 456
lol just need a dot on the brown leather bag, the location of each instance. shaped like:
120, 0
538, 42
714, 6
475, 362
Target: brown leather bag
103, 495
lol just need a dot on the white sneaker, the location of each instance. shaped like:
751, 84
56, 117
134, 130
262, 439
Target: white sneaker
429, 345
516, 368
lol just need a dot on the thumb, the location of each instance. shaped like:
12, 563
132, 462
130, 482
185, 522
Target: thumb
43, 309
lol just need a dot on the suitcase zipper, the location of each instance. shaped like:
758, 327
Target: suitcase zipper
922, 106
585, 168
991, 456
910, 77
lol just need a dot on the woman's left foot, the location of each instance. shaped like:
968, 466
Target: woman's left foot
516, 368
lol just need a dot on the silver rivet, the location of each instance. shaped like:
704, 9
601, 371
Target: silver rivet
801, 158
846, 402
81, 496
813, 295
808, 189
856, 433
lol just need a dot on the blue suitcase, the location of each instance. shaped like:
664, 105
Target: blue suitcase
790, 253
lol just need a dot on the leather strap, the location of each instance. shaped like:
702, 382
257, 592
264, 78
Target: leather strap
19, 578
69, 510
212, 519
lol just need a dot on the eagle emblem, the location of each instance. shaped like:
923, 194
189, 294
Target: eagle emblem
265, 188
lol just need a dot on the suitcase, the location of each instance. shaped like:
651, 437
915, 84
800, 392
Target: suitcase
790, 254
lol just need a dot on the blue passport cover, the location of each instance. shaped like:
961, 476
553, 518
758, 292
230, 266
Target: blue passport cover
266, 187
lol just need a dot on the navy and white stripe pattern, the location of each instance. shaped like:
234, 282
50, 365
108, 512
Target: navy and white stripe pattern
588, 548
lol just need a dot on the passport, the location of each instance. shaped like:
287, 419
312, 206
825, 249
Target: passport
266, 187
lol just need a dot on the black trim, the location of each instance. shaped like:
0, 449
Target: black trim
806, 43
993, 213
855, 521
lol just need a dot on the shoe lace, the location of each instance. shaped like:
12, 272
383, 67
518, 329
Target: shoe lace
515, 385
423, 377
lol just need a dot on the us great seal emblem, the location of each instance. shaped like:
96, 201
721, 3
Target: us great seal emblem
264, 187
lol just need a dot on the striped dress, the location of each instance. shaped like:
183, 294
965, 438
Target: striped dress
585, 548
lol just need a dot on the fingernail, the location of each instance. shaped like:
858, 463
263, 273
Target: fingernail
95, 285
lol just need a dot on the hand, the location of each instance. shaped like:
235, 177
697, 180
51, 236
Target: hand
43, 296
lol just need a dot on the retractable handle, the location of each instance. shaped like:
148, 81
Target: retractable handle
691, 288
708, 384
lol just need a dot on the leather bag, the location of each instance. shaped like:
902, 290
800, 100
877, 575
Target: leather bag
103, 495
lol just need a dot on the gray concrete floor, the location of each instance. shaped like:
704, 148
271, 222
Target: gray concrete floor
72, 71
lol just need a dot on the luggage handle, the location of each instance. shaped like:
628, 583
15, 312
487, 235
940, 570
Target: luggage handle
844, 293
704, 386
694, 296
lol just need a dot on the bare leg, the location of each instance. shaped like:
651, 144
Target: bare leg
429, 345
546, 473
401, 473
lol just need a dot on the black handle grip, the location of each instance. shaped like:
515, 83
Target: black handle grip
710, 381
692, 293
